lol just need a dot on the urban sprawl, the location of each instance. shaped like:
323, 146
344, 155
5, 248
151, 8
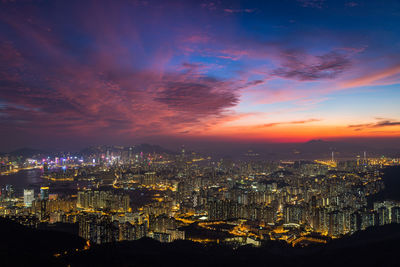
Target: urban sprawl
118, 193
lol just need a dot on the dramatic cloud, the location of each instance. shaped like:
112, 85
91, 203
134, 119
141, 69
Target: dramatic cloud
203, 99
225, 7
379, 124
351, 4
288, 123
312, 3
305, 67
376, 77
230, 10
92, 98
209, 5
129, 70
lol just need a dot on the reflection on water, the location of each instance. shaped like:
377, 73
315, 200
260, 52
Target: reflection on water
30, 179
24, 179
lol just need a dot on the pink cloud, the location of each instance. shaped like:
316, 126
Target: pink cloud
246, 10
373, 78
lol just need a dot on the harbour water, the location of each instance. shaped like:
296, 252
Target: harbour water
24, 179
31, 179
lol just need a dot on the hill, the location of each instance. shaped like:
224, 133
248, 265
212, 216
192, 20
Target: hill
374, 247
22, 246
26, 152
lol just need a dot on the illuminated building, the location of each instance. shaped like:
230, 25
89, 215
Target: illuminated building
7, 192
149, 178
395, 211
161, 223
101, 200
383, 215
355, 222
369, 218
162, 237
293, 214
44, 193
252, 200
223, 210
336, 223
98, 229
29, 197
45, 168
176, 234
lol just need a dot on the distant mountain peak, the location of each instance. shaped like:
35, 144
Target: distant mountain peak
26, 152
316, 141
145, 148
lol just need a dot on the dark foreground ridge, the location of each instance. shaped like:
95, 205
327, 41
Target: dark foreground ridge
21, 246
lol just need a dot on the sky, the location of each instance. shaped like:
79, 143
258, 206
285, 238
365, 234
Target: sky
77, 73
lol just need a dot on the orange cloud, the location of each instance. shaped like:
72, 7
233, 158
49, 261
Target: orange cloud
371, 79
294, 132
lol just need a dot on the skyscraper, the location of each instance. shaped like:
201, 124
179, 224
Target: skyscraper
29, 197
44, 193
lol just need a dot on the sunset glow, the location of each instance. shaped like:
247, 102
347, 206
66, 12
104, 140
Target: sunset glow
276, 71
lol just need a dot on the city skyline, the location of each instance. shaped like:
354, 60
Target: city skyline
109, 194
198, 72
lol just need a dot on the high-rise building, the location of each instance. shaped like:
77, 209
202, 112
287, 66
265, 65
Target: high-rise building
293, 214
29, 197
45, 168
383, 215
44, 193
7, 192
149, 178
395, 215
223, 210
355, 222
176, 234
99, 200
336, 223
